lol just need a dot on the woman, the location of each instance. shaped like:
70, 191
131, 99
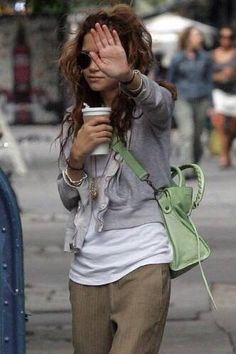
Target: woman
190, 70
224, 93
119, 277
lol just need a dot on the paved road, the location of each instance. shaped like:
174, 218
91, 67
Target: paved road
192, 326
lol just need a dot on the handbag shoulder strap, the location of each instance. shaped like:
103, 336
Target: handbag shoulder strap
201, 182
129, 158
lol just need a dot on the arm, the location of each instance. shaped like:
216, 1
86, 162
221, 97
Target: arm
209, 74
225, 73
112, 60
72, 181
172, 72
153, 99
69, 195
218, 76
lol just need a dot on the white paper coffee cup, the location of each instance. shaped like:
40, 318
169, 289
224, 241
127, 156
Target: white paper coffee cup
90, 112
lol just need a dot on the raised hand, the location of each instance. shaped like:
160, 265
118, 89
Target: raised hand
111, 57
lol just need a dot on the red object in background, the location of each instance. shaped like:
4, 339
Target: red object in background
22, 78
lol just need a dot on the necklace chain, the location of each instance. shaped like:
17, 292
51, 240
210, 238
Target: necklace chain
93, 189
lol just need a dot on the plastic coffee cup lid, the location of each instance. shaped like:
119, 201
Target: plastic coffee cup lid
100, 110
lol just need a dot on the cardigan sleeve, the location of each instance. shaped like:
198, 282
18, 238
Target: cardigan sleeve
70, 195
155, 100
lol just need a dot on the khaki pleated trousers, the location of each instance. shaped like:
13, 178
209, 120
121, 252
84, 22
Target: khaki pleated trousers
127, 316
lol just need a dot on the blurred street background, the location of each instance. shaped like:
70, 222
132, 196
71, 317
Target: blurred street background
33, 98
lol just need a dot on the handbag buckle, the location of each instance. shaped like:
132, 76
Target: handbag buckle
157, 192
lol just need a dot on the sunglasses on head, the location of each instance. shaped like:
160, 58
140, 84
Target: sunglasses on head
83, 60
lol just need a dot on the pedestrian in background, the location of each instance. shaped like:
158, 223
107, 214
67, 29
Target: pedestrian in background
223, 115
119, 276
191, 71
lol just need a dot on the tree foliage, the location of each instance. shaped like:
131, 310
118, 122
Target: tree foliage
45, 7
58, 7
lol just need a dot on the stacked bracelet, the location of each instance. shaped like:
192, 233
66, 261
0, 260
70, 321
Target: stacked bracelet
72, 167
134, 92
138, 89
75, 183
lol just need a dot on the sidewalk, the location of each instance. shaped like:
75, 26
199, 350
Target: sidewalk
192, 326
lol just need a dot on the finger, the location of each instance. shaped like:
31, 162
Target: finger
102, 135
102, 140
116, 38
98, 120
102, 127
97, 39
108, 35
97, 60
101, 34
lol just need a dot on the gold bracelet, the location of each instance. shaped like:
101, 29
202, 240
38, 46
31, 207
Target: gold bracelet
75, 183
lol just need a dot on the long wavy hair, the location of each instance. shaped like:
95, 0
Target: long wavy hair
137, 43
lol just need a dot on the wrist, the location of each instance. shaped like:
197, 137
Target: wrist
128, 77
75, 163
134, 87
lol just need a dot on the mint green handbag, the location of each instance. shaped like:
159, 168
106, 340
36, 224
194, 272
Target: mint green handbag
176, 203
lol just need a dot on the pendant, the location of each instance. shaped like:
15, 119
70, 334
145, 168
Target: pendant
93, 189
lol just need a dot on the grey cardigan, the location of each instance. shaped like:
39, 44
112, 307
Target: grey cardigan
130, 201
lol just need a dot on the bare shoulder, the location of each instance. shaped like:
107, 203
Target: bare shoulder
216, 53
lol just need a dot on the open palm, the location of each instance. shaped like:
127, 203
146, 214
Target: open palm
111, 57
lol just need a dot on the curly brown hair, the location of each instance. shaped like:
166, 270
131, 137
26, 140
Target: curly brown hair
137, 43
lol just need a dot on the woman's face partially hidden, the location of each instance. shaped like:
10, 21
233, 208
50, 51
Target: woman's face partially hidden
96, 79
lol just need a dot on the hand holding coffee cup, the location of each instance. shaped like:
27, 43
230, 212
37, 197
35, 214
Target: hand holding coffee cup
99, 118
96, 132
